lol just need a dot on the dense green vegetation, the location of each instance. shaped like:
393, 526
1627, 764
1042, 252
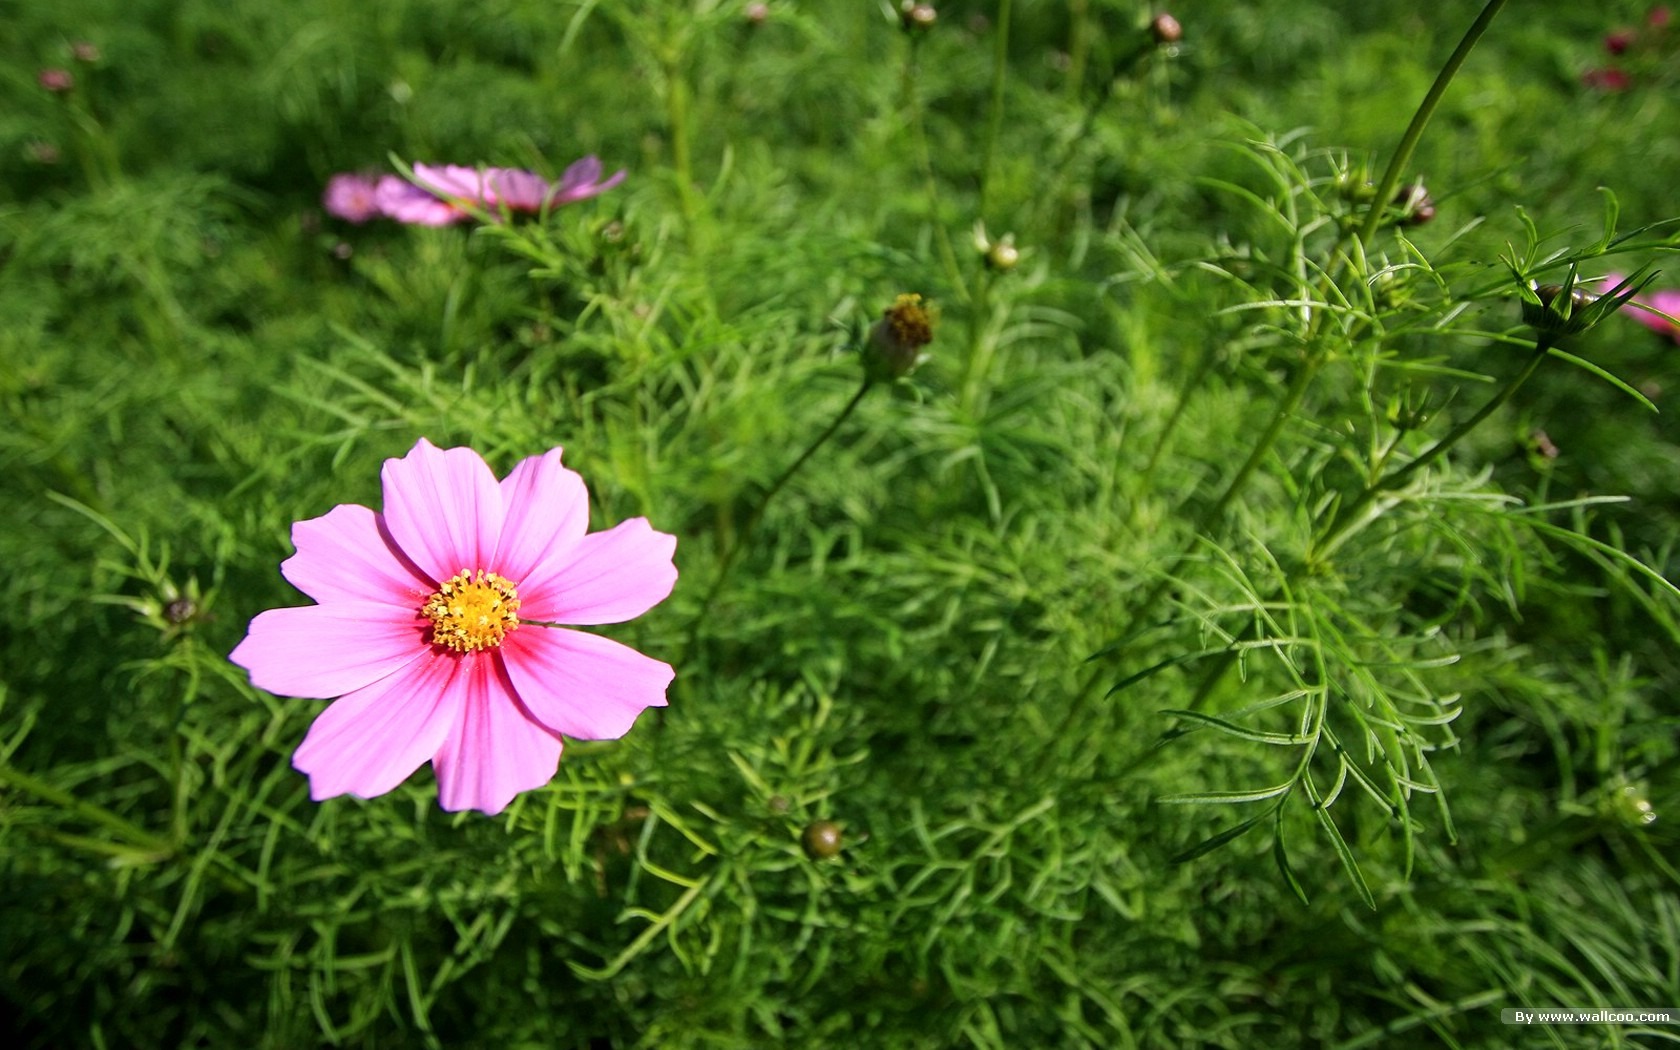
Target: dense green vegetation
1181, 655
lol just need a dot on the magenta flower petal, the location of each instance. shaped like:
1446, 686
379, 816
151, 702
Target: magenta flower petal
613, 576
582, 180
451, 180
353, 198
321, 651
368, 742
494, 750
581, 684
517, 190
443, 509
403, 201
547, 514
344, 555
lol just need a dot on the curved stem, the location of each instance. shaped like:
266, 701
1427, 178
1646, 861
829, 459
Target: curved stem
757, 515
1347, 518
1420, 120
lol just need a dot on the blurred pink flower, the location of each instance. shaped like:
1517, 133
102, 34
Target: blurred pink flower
1639, 308
1617, 41
351, 197
1658, 17
431, 629
57, 81
582, 180
442, 194
1608, 80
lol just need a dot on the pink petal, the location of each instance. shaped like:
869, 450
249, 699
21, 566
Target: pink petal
350, 197
321, 651
580, 181
580, 684
519, 190
443, 508
368, 742
344, 555
403, 201
451, 180
613, 576
547, 509
494, 750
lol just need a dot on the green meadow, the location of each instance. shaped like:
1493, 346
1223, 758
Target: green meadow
1248, 622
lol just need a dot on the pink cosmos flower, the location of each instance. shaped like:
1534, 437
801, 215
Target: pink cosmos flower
442, 194
432, 629
352, 198
1666, 301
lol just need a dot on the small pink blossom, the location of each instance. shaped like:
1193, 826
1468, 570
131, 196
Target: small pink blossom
1617, 41
57, 81
352, 198
1658, 17
431, 629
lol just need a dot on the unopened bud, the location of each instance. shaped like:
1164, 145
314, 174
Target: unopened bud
1554, 314
894, 347
57, 81
1004, 256
1540, 445
917, 18
1415, 204
85, 52
1165, 29
1000, 255
823, 839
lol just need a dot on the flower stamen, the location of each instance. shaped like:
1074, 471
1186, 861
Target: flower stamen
472, 611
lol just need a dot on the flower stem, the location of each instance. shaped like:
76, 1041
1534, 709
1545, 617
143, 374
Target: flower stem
676, 115
994, 124
912, 103
1345, 520
745, 534
1420, 120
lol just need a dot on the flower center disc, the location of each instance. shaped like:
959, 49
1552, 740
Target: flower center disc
472, 611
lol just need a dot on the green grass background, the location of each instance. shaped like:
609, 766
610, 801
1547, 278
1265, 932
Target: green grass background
934, 639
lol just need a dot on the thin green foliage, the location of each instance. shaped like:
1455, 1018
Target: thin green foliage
1254, 625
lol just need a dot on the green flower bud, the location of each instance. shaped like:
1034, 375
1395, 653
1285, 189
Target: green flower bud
823, 840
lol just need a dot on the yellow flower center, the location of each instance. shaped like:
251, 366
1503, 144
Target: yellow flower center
472, 611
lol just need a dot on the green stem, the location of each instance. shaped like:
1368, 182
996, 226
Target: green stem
994, 125
757, 515
1348, 518
1420, 120
676, 115
924, 154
